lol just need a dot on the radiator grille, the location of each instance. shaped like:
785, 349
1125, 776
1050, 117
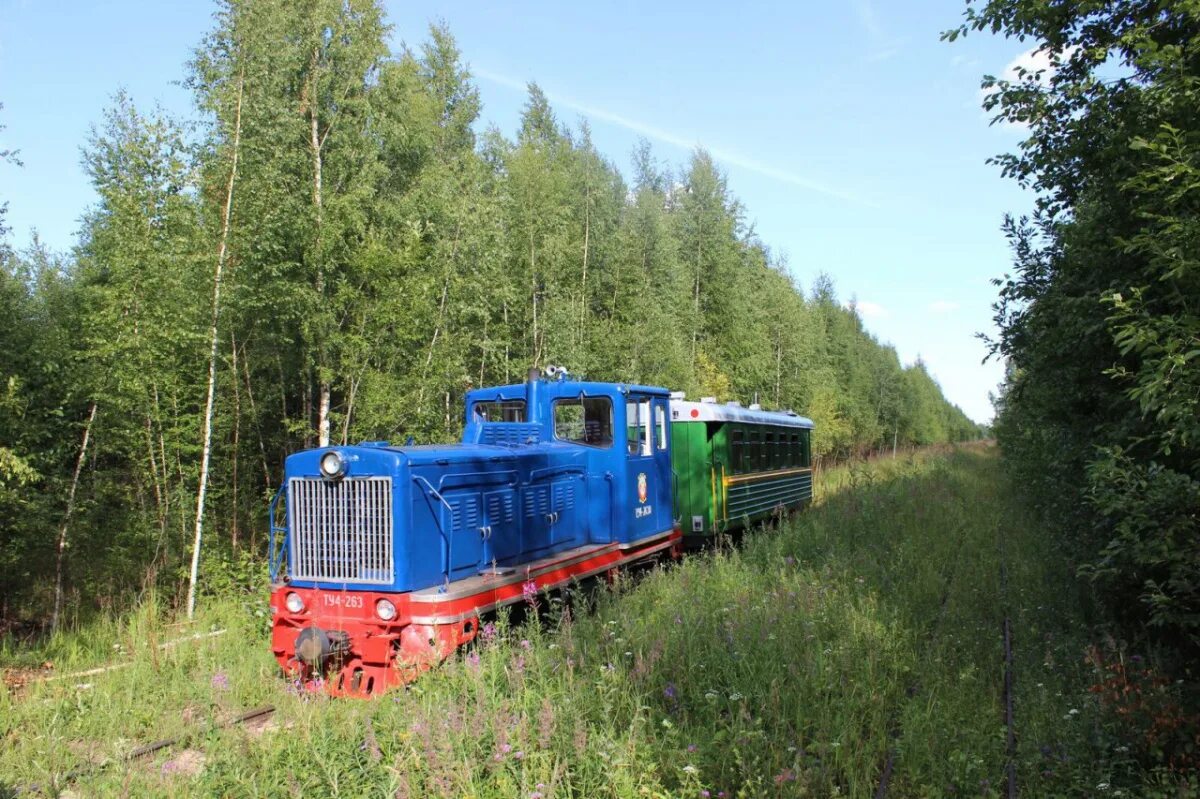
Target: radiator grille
341, 531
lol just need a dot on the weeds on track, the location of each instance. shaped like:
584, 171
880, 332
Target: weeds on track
791, 666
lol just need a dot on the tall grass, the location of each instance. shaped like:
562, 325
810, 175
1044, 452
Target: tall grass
790, 666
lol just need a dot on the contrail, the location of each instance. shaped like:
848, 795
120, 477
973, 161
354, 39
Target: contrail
666, 136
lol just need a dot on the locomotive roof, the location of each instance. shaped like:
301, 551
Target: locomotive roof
687, 411
563, 387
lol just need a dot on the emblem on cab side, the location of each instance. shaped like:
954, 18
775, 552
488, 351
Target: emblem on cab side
642, 487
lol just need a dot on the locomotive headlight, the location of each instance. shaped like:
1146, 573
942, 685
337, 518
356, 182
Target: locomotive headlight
333, 465
294, 603
384, 609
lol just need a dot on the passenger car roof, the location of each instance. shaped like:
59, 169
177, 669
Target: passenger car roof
687, 411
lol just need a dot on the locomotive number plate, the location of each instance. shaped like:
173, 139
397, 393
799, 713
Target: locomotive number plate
643, 511
342, 600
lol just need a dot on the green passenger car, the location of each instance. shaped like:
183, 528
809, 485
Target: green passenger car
733, 466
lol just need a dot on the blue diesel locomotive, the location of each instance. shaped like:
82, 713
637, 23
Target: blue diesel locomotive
388, 555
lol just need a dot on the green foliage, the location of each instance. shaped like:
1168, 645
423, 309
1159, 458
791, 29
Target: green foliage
381, 261
1153, 553
1098, 322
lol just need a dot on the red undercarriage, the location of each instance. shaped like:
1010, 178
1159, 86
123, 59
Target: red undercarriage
369, 656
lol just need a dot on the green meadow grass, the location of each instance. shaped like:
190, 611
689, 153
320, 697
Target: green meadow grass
792, 665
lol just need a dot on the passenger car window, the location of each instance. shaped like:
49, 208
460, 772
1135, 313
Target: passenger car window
500, 411
587, 421
737, 451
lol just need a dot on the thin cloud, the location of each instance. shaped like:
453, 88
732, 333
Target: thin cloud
1038, 65
943, 306
676, 140
883, 45
869, 19
962, 62
867, 309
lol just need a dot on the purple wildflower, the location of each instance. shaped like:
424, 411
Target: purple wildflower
669, 691
525, 643
488, 632
691, 748
220, 681
529, 590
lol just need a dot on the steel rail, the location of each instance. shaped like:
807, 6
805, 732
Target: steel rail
56, 784
1010, 724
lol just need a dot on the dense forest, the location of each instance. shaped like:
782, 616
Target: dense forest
1099, 419
337, 252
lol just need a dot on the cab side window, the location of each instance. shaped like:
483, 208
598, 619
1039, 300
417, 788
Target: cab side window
500, 411
637, 427
587, 421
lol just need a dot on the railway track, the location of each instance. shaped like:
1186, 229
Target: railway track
1010, 771
889, 763
60, 781
1010, 723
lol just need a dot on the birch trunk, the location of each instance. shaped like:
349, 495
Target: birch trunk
316, 142
350, 399
262, 446
437, 329
533, 293
587, 229
696, 302
222, 254
62, 534
237, 435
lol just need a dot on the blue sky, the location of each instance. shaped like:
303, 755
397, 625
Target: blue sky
850, 133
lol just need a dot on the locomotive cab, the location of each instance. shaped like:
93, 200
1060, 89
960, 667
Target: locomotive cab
619, 435
389, 554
